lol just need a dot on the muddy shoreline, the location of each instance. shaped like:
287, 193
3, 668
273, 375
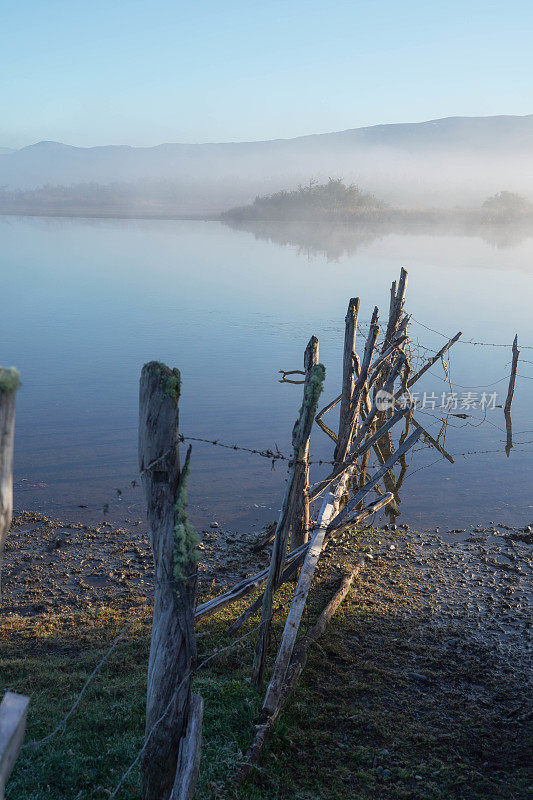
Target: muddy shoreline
481, 576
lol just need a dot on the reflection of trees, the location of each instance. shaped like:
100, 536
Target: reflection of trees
335, 240
314, 239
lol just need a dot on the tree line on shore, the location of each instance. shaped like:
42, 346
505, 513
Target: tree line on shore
334, 200
338, 201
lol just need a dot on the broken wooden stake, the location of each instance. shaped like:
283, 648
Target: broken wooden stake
13, 710
189, 753
512, 378
348, 375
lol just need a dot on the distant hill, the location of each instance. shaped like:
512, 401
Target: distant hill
440, 162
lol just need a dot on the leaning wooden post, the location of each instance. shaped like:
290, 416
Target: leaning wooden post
301, 432
345, 436
13, 710
9, 383
512, 379
348, 371
173, 715
299, 521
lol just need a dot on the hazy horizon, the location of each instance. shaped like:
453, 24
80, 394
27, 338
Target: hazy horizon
452, 161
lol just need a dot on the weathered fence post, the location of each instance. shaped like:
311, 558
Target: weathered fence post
300, 437
299, 519
13, 709
173, 715
348, 370
9, 382
512, 378
509, 400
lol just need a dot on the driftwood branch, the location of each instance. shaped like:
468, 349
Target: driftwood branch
416, 377
294, 671
360, 451
396, 308
343, 516
294, 616
433, 442
509, 433
243, 588
321, 424
363, 514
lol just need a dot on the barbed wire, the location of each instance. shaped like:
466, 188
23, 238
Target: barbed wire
474, 342
462, 386
272, 455
469, 341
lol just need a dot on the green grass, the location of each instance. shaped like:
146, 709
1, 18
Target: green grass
355, 729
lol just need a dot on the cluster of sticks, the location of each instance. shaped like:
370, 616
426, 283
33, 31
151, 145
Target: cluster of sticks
364, 424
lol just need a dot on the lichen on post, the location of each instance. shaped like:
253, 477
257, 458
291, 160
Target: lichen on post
186, 539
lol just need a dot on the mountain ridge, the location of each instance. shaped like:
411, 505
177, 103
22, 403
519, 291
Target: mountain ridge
343, 133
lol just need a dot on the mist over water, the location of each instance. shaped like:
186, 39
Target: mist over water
440, 163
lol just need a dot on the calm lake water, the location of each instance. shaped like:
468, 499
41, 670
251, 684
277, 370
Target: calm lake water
86, 302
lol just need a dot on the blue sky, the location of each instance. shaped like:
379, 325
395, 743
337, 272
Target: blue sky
88, 72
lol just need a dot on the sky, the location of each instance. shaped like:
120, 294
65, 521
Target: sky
141, 73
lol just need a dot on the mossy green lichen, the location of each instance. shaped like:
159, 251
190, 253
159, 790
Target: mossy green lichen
313, 390
9, 379
185, 537
171, 384
170, 379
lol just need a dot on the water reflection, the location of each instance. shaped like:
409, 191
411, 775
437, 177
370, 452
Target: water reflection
337, 240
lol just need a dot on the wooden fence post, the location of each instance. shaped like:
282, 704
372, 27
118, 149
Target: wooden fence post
9, 382
299, 515
173, 715
13, 709
300, 437
348, 370
512, 378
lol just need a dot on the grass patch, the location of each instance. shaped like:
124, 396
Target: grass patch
358, 727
